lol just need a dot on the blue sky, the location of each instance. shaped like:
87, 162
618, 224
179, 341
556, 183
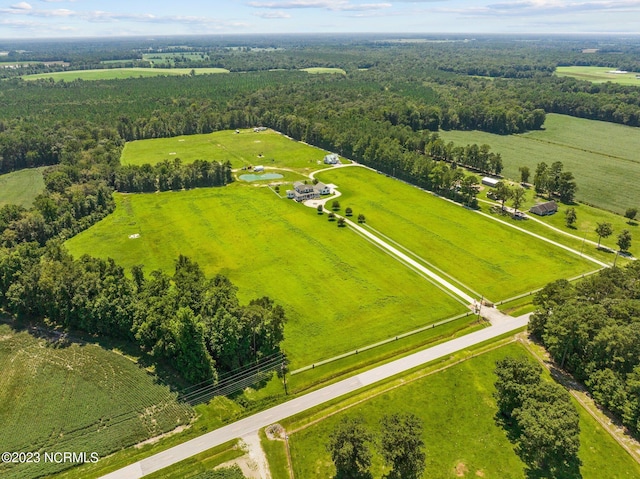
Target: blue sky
76, 18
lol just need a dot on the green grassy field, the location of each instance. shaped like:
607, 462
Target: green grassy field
460, 434
339, 291
118, 73
21, 187
243, 149
495, 261
316, 70
599, 75
59, 397
602, 156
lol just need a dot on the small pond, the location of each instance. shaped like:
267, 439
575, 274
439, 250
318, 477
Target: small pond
264, 176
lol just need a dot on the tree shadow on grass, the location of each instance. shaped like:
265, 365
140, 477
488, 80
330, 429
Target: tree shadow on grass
569, 470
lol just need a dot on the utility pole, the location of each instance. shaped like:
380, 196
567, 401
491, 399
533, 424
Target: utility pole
284, 378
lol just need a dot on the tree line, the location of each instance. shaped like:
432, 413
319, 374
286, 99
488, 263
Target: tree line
592, 329
195, 324
166, 175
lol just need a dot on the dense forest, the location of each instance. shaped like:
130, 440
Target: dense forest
385, 112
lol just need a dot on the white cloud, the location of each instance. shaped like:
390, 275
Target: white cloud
22, 6
272, 15
334, 5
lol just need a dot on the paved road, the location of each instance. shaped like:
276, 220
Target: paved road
253, 423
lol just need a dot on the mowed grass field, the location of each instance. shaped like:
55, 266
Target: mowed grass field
599, 75
602, 156
494, 260
73, 397
461, 437
21, 187
248, 148
339, 291
118, 73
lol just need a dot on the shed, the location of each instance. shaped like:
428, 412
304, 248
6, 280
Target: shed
258, 168
488, 181
544, 209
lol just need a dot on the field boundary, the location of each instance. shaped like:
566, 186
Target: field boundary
382, 343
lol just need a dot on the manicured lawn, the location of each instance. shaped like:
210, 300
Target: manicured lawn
496, 261
116, 73
21, 187
598, 75
460, 434
76, 398
339, 291
602, 156
267, 148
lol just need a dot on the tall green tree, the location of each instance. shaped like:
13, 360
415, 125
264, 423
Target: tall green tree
350, 448
570, 217
402, 446
631, 214
624, 240
517, 197
603, 230
515, 377
525, 173
550, 429
503, 193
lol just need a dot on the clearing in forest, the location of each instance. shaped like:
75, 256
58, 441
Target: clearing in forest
246, 148
340, 292
21, 187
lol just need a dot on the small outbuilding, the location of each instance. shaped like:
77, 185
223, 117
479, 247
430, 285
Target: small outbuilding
258, 168
544, 209
332, 159
492, 182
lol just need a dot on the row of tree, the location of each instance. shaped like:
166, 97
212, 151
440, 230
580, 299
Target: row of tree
195, 324
592, 329
166, 175
400, 444
539, 417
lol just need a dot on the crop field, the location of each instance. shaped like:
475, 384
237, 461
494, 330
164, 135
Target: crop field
496, 261
460, 434
118, 73
599, 75
267, 148
339, 291
602, 156
21, 187
76, 397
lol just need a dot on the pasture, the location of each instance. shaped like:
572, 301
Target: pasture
59, 396
599, 75
602, 156
495, 261
461, 437
21, 187
339, 291
119, 73
248, 148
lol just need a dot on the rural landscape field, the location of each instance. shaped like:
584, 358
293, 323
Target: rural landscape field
277, 256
